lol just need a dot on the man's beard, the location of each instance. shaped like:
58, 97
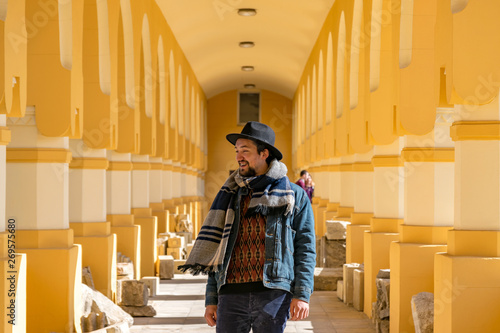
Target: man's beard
249, 173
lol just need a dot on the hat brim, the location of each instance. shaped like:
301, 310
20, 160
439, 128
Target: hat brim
235, 136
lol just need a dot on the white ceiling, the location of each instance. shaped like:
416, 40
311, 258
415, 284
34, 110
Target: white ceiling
284, 32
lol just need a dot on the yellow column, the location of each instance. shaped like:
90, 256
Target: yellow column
333, 192
320, 198
87, 214
346, 188
467, 276
37, 199
362, 169
156, 193
429, 185
388, 215
167, 193
12, 264
118, 202
143, 214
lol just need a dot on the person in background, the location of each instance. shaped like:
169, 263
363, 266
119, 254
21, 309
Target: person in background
309, 187
305, 181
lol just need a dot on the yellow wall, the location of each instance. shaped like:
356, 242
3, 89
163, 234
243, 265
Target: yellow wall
276, 111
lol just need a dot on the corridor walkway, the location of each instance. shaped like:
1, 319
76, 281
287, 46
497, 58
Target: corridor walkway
180, 308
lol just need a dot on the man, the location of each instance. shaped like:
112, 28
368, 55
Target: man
257, 243
302, 180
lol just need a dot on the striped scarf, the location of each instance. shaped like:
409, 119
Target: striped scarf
272, 194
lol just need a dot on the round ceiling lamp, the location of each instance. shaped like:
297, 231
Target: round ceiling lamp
247, 44
247, 12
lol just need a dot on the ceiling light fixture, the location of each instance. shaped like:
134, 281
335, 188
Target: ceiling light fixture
247, 68
247, 44
247, 12
249, 86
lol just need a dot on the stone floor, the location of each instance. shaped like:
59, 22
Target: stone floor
180, 308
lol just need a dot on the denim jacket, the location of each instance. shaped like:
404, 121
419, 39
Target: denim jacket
290, 251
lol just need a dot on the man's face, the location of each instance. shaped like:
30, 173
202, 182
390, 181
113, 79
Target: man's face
250, 162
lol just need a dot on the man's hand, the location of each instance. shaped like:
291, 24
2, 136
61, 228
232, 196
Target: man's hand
211, 314
298, 309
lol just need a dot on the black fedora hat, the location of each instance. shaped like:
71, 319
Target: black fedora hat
259, 132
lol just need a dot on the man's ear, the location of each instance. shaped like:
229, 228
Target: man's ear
265, 152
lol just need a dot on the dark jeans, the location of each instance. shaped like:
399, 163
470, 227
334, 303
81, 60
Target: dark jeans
263, 311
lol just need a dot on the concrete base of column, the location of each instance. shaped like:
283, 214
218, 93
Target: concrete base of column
376, 255
355, 243
412, 272
162, 215
466, 294
128, 239
99, 253
319, 218
331, 211
54, 278
360, 222
344, 212
180, 206
149, 230
467, 283
13, 286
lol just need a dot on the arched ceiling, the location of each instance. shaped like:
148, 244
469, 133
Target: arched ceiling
209, 31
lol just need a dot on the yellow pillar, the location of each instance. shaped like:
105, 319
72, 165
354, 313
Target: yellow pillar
363, 207
37, 199
143, 215
87, 215
346, 189
429, 185
388, 215
167, 192
118, 202
467, 276
156, 194
333, 192
12, 264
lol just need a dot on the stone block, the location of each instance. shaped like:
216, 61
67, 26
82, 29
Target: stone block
383, 297
348, 272
336, 229
132, 293
340, 289
335, 253
359, 289
177, 263
153, 284
140, 311
384, 274
87, 277
94, 301
175, 241
161, 249
125, 270
116, 328
166, 267
326, 278
381, 308
176, 252
93, 321
183, 223
188, 236
422, 308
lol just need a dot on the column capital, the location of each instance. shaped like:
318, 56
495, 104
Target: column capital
475, 130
